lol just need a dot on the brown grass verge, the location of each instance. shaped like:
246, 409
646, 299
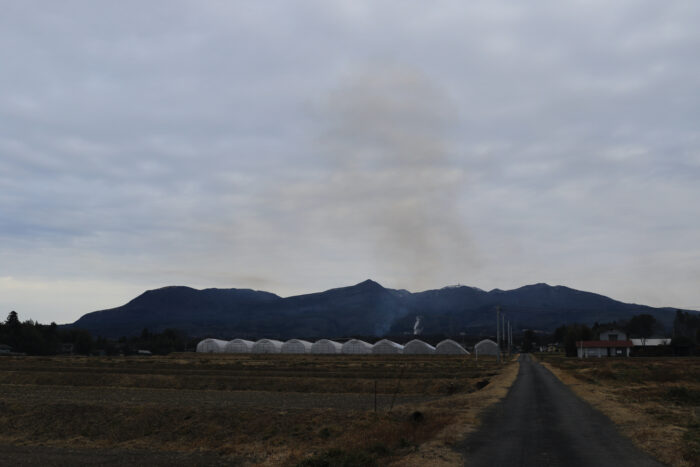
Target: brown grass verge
466, 410
637, 405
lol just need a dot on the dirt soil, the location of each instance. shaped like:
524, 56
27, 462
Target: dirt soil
191, 409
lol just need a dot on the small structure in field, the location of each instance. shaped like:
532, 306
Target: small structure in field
418, 347
356, 346
238, 346
450, 347
325, 346
267, 346
296, 346
486, 347
211, 346
651, 342
385, 346
587, 349
612, 343
613, 335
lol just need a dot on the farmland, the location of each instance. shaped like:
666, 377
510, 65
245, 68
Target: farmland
653, 401
242, 409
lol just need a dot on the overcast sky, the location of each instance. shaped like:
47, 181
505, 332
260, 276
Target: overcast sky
297, 146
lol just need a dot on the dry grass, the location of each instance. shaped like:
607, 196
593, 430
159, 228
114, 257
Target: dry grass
653, 401
254, 410
465, 410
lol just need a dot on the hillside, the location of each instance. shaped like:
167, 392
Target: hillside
365, 309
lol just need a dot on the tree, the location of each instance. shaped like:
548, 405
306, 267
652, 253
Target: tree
642, 326
575, 332
529, 340
12, 320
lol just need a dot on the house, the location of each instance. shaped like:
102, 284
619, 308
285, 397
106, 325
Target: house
612, 343
613, 335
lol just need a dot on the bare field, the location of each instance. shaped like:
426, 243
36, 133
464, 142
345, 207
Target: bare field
654, 401
238, 409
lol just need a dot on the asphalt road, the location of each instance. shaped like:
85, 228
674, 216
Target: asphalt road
541, 422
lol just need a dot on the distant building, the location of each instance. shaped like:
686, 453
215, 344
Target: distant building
651, 342
612, 343
613, 335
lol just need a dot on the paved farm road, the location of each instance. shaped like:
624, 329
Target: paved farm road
541, 422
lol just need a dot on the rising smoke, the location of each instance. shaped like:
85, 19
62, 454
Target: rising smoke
393, 171
417, 326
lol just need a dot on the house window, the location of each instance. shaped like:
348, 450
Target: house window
612, 337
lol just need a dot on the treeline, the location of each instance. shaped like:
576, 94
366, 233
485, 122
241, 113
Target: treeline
32, 338
685, 339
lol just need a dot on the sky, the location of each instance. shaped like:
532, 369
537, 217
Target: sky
297, 146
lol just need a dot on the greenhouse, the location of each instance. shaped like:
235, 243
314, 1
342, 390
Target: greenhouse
211, 346
267, 346
418, 347
486, 347
450, 347
356, 346
238, 346
385, 346
325, 346
296, 346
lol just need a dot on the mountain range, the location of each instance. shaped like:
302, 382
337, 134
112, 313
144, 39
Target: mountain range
364, 309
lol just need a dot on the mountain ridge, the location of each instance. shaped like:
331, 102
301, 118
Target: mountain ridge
366, 308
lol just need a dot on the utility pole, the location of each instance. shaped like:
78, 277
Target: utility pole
510, 338
498, 331
503, 327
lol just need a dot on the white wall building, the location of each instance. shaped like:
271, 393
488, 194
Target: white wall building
651, 342
613, 335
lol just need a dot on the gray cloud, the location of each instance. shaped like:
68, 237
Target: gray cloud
300, 146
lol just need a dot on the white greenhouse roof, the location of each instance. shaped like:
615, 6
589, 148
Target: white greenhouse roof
296, 346
385, 346
238, 346
450, 347
211, 346
325, 346
418, 347
486, 347
356, 346
267, 346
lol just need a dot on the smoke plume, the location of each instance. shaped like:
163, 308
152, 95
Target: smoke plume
388, 146
417, 327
